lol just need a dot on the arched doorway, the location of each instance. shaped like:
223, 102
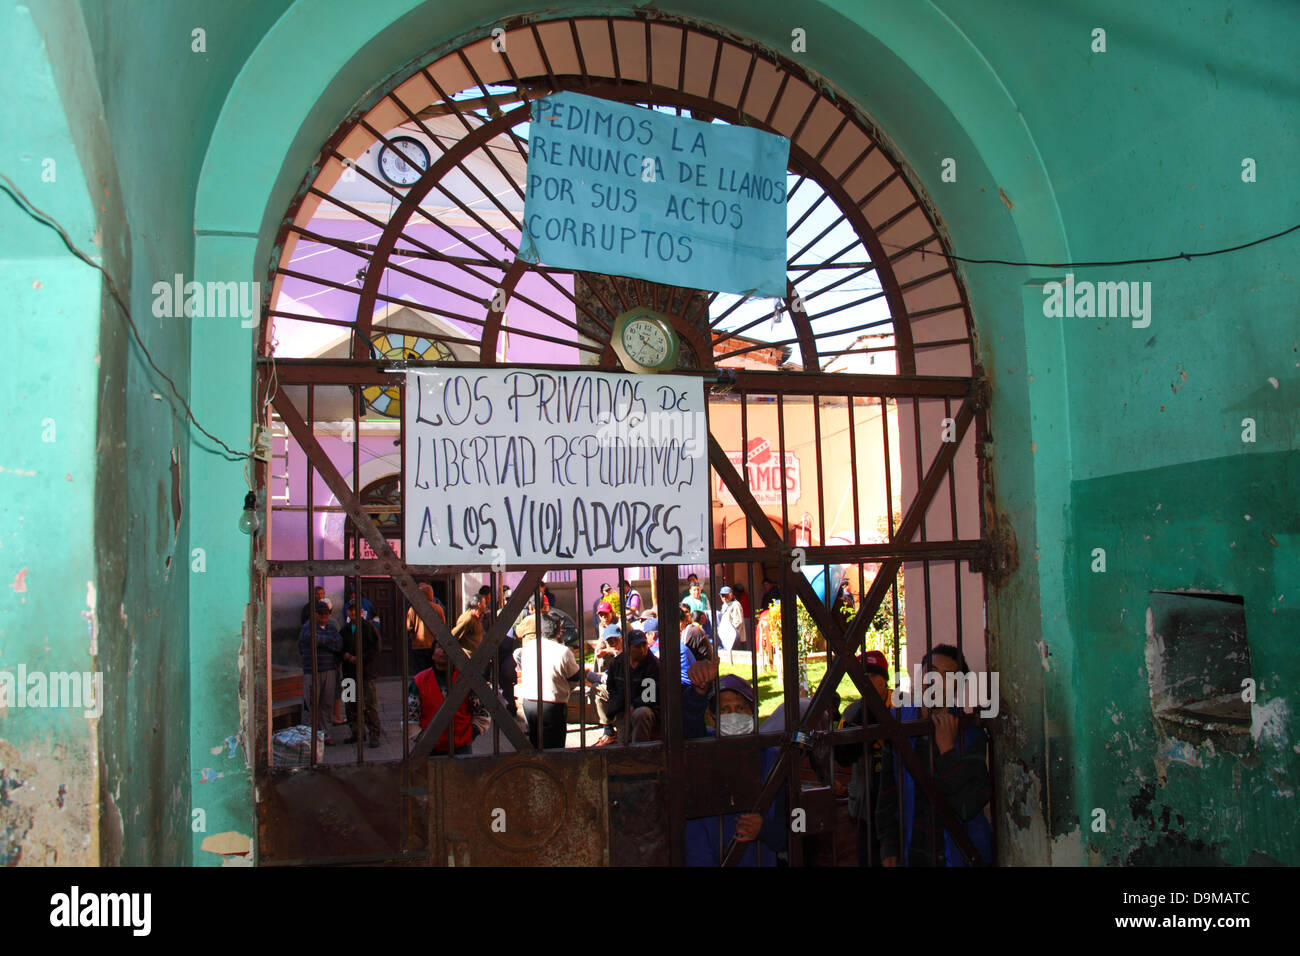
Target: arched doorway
865, 284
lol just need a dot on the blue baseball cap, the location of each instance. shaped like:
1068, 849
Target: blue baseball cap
611, 630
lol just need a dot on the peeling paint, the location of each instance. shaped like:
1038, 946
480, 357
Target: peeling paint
230, 745
20, 581
229, 843
1173, 750
1067, 848
89, 616
1269, 722
48, 817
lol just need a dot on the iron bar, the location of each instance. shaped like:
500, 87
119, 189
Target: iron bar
401, 577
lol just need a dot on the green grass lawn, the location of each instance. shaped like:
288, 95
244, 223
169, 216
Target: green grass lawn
771, 693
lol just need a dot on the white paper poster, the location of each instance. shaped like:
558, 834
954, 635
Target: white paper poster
517, 466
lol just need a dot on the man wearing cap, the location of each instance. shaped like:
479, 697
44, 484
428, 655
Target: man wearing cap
318, 694
637, 692
960, 761
604, 616
545, 710
733, 698
850, 755
604, 651
608, 646
731, 621
602, 606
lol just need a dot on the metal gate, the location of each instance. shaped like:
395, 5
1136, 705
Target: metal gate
625, 804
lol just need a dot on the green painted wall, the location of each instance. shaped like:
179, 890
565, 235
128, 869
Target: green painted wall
1224, 524
1143, 145
163, 88
1062, 152
49, 780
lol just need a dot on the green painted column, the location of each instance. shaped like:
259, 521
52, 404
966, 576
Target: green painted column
49, 612
221, 643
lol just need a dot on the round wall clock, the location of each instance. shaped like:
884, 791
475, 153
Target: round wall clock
386, 400
403, 160
645, 341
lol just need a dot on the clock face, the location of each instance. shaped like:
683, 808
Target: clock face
647, 342
403, 161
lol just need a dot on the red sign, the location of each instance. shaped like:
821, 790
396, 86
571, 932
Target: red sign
765, 474
759, 451
368, 553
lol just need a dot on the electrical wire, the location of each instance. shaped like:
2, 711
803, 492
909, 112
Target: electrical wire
231, 455
1189, 256
45, 219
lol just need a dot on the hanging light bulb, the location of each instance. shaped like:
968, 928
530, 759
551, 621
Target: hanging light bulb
249, 523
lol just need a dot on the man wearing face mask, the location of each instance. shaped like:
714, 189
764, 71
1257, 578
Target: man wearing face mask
960, 761
706, 841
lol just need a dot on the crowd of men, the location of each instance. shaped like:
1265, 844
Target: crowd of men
537, 672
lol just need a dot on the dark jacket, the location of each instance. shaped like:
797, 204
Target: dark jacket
506, 666
328, 644
645, 683
369, 650
704, 844
850, 755
695, 638
962, 777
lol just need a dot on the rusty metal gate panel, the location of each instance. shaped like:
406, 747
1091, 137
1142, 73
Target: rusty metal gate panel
520, 810
638, 808
346, 813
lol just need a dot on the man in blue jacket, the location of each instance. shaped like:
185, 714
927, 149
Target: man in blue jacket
707, 840
960, 761
329, 643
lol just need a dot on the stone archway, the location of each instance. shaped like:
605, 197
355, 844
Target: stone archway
238, 190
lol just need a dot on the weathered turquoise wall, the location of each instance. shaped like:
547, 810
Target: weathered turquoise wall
49, 608
1063, 152
163, 87
1144, 147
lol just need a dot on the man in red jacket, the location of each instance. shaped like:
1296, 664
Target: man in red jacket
425, 696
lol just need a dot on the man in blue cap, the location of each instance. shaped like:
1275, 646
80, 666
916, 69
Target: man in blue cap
637, 692
604, 652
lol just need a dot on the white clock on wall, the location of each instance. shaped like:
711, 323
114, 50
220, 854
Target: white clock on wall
403, 160
645, 341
